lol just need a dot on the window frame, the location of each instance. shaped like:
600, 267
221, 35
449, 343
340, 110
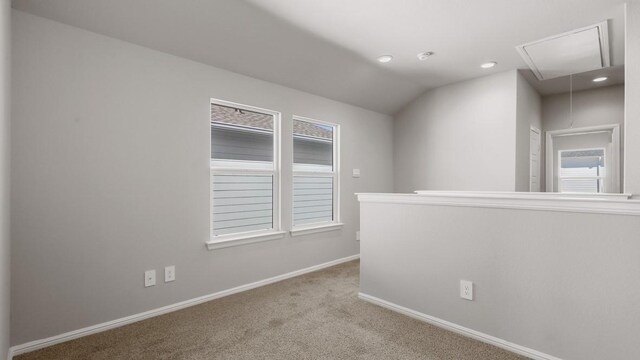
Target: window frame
247, 237
335, 223
602, 178
616, 154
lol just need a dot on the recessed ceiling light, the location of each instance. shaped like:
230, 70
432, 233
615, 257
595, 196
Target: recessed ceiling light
385, 58
600, 79
489, 65
425, 55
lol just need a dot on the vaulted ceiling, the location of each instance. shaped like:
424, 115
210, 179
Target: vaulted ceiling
329, 47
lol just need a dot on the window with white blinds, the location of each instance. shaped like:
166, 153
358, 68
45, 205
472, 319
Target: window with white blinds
582, 171
244, 177
315, 172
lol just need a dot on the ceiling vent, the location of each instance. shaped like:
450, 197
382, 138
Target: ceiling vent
573, 52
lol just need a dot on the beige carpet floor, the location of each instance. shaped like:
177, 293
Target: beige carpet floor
314, 316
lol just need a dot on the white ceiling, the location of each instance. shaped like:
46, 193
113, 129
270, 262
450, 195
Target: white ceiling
330, 47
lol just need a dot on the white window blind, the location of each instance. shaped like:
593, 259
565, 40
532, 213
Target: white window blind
315, 172
243, 169
582, 171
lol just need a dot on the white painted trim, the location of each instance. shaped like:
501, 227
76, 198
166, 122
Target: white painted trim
42, 343
477, 335
306, 230
243, 239
520, 201
547, 195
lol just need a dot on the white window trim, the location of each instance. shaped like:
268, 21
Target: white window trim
245, 238
600, 177
316, 228
237, 239
335, 224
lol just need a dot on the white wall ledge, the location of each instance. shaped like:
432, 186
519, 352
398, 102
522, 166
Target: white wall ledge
298, 231
615, 204
528, 195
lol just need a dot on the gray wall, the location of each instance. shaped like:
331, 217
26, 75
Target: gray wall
600, 106
632, 94
554, 282
529, 113
459, 137
5, 261
111, 166
438, 136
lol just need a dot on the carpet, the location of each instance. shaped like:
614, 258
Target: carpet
313, 316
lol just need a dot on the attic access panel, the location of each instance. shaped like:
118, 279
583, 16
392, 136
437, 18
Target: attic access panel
573, 52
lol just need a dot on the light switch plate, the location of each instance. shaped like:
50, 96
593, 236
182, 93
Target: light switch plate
169, 273
358, 235
149, 278
466, 289
356, 173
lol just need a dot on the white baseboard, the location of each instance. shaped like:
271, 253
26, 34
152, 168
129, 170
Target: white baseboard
492, 340
42, 343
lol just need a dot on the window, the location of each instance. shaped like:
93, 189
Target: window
244, 171
584, 159
315, 173
582, 171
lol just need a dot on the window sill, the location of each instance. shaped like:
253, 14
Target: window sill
244, 240
316, 229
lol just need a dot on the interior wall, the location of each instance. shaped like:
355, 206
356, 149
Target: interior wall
599, 106
5, 260
111, 165
459, 137
528, 114
632, 94
555, 282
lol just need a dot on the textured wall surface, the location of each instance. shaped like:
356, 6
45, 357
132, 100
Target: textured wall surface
5, 260
528, 115
111, 163
550, 281
632, 94
459, 137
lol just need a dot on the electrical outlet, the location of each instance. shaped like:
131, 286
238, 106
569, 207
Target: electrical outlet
358, 235
169, 273
356, 173
466, 289
149, 278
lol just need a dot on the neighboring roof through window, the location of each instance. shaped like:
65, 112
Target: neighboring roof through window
240, 117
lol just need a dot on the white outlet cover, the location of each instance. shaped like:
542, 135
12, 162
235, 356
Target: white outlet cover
358, 235
149, 278
356, 173
466, 289
169, 273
